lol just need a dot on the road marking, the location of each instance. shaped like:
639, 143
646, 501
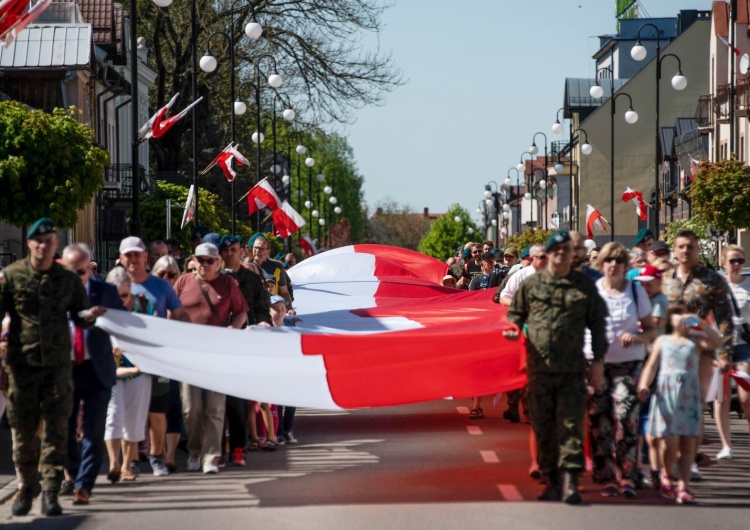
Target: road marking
462, 410
473, 429
489, 457
510, 492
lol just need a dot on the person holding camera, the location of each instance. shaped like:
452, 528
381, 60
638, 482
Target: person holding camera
733, 261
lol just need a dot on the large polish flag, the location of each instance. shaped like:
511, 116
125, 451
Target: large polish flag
286, 220
262, 195
376, 329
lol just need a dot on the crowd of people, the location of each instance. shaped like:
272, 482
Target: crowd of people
621, 347
649, 327
68, 387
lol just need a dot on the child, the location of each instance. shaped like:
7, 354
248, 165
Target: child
676, 410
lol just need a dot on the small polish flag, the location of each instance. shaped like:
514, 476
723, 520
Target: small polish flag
262, 195
308, 246
593, 220
637, 198
286, 220
12, 22
224, 161
157, 126
737, 52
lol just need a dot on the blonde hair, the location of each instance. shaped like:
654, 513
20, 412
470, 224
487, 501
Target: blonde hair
731, 248
166, 263
613, 250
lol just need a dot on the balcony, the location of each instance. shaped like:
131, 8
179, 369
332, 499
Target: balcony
118, 182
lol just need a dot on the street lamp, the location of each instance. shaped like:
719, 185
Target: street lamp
631, 116
679, 82
534, 150
557, 127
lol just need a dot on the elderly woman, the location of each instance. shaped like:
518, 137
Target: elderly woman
128, 407
213, 299
733, 260
165, 411
614, 407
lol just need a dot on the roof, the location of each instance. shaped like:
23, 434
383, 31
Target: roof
49, 45
577, 94
720, 10
685, 125
666, 134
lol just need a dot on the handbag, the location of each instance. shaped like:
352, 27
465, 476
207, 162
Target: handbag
745, 331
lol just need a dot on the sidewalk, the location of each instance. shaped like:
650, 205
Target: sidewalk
7, 472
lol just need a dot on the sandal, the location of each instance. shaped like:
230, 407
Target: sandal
268, 445
476, 414
127, 476
666, 488
685, 497
254, 445
114, 475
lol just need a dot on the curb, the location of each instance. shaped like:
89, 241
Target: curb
7, 491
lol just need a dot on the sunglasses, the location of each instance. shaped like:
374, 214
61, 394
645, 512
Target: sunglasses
619, 261
205, 261
737, 261
164, 274
82, 272
541, 257
475, 252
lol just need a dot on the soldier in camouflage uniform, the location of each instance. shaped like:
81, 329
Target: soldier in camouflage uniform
556, 304
38, 293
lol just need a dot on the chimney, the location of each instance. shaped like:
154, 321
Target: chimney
426, 213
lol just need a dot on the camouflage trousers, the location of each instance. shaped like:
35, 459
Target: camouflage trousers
557, 404
40, 395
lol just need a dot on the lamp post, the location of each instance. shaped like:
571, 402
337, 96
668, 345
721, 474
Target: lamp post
557, 127
309, 162
508, 184
332, 200
631, 116
492, 201
522, 170
534, 150
586, 151
679, 82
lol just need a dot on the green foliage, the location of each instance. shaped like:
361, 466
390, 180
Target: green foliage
445, 234
211, 212
707, 246
529, 237
721, 194
49, 165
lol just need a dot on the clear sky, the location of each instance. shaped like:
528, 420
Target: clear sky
482, 76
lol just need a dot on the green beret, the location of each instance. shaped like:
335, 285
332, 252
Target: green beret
459, 249
642, 235
41, 227
525, 252
466, 254
227, 240
252, 238
561, 236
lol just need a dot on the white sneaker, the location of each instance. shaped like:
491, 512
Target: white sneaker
193, 463
694, 473
210, 467
726, 453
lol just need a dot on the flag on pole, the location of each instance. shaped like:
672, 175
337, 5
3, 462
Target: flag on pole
286, 220
637, 198
736, 51
308, 246
262, 195
157, 126
224, 161
694, 168
189, 213
13, 22
239, 157
593, 220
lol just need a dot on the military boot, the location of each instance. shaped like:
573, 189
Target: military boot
23, 498
552, 490
50, 506
570, 493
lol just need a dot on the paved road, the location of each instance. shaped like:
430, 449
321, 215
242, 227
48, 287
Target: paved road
414, 467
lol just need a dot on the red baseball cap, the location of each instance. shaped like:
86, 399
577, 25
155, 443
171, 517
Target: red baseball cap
648, 273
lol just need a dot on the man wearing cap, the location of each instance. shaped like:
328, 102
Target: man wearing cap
659, 250
212, 299
488, 278
157, 298
259, 312
39, 294
643, 239
556, 305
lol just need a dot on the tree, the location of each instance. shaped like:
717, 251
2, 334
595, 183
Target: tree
49, 165
528, 237
720, 194
396, 225
211, 213
445, 234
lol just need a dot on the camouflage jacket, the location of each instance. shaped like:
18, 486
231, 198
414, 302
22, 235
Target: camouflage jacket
556, 311
39, 304
705, 290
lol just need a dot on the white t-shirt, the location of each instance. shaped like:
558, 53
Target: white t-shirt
741, 292
623, 318
514, 282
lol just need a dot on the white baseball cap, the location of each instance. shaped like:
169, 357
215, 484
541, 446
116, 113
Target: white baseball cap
132, 244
